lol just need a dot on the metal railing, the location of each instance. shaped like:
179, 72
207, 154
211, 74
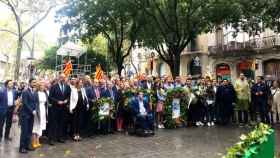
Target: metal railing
78, 69
252, 44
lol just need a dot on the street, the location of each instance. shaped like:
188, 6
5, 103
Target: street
179, 143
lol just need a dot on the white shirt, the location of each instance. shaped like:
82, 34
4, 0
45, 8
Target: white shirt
10, 98
142, 108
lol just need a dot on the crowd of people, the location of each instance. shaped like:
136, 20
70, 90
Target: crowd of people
66, 107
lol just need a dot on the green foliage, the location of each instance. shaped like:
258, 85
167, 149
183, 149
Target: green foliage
182, 94
94, 58
100, 102
249, 144
173, 24
49, 59
114, 19
255, 16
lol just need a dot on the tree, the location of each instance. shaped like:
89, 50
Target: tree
255, 16
93, 58
49, 59
173, 24
116, 20
20, 8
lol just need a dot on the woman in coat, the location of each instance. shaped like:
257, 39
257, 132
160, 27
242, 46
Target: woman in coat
40, 119
275, 94
78, 104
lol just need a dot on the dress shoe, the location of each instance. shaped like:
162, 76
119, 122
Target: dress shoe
61, 141
23, 151
51, 142
8, 139
30, 149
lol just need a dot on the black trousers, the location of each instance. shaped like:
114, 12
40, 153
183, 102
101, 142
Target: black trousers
263, 110
26, 123
57, 122
243, 119
77, 120
6, 118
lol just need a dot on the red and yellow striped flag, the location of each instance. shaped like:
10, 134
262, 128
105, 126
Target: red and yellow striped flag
98, 72
68, 68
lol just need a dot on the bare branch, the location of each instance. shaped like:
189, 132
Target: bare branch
14, 33
37, 22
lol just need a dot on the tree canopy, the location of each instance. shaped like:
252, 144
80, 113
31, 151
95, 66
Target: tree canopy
116, 20
167, 26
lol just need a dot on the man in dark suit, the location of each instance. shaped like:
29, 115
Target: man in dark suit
29, 103
59, 98
143, 114
109, 92
8, 96
260, 93
225, 99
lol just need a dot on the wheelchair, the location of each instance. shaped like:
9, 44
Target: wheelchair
139, 130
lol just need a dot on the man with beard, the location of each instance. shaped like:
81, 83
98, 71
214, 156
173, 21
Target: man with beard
260, 94
225, 98
243, 94
28, 111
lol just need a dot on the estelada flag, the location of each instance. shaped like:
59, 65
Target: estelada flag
98, 72
68, 68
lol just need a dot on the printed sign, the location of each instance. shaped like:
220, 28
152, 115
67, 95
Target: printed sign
104, 110
175, 108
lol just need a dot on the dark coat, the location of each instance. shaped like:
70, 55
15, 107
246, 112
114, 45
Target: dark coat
226, 95
260, 99
136, 107
4, 99
57, 95
30, 103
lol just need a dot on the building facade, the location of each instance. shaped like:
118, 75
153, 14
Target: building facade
221, 56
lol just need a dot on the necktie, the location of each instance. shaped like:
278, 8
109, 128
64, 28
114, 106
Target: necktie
97, 93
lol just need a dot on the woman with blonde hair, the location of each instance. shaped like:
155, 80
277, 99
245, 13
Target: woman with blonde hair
40, 119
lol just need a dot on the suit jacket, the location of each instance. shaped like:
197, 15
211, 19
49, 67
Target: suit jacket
4, 99
56, 94
30, 103
74, 97
136, 107
260, 98
90, 92
105, 92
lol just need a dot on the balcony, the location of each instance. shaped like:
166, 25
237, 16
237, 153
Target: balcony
256, 45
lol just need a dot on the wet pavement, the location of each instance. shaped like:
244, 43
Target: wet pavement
178, 143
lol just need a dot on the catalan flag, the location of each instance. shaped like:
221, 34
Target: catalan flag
68, 68
98, 72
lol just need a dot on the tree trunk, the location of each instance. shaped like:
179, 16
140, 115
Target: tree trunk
18, 56
120, 67
175, 66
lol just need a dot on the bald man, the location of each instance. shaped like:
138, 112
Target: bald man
59, 98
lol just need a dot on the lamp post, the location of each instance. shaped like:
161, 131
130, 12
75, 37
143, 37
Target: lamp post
31, 68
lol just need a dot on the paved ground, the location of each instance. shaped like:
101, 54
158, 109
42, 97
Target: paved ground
180, 143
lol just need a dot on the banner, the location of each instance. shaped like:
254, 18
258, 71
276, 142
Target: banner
104, 110
176, 113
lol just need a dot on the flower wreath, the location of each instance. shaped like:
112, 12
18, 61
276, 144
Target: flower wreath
100, 102
181, 94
